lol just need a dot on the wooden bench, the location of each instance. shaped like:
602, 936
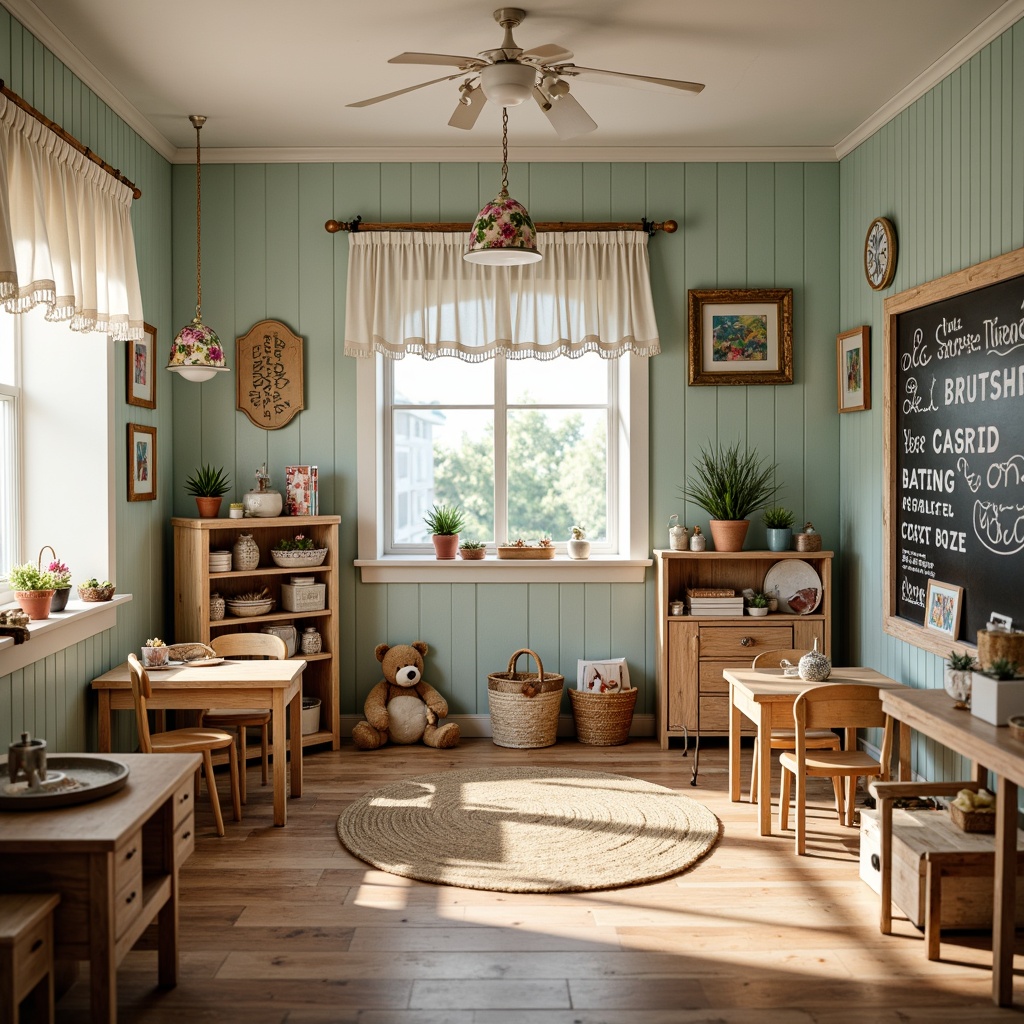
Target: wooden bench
26, 955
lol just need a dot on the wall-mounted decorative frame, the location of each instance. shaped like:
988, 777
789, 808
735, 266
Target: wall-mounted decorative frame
741, 336
141, 462
269, 378
139, 369
853, 371
942, 605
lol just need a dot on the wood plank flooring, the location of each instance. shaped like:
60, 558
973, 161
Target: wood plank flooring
283, 925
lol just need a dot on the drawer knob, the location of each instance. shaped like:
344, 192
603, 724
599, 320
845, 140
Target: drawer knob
131, 898
36, 946
130, 853
184, 798
186, 834
746, 641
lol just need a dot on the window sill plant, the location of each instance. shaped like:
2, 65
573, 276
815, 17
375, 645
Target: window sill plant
445, 523
61, 578
472, 550
578, 546
208, 485
33, 589
93, 590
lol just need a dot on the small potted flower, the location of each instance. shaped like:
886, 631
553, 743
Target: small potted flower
33, 589
444, 524
757, 604
578, 546
472, 550
298, 552
155, 654
62, 579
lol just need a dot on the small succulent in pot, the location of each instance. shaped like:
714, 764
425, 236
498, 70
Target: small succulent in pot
578, 533
961, 662
957, 677
757, 603
472, 550
578, 546
208, 482
1001, 668
778, 518
155, 653
444, 520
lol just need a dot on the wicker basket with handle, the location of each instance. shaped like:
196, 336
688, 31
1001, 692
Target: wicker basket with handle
524, 705
603, 719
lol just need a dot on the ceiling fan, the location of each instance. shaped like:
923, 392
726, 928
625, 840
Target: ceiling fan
509, 75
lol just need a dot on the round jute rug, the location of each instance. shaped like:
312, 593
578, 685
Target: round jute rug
528, 829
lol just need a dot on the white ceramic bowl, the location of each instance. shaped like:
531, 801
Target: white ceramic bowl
299, 559
244, 609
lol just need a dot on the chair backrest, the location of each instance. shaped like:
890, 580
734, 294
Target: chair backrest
249, 645
774, 659
141, 692
843, 706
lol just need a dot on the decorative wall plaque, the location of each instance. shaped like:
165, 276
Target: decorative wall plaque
269, 361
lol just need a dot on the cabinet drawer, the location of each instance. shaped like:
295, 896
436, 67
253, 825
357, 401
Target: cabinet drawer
743, 643
128, 861
184, 840
128, 899
714, 714
184, 802
33, 957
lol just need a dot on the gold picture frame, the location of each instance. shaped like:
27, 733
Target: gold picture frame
141, 462
853, 370
741, 336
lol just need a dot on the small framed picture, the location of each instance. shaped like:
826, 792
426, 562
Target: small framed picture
853, 374
741, 336
140, 370
141, 462
942, 608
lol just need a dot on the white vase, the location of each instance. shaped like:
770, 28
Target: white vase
579, 549
245, 554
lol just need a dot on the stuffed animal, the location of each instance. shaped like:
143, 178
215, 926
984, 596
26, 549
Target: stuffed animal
403, 707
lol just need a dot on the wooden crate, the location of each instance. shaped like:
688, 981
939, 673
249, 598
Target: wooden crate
966, 901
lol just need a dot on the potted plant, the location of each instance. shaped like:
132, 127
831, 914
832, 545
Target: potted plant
445, 523
472, 550
997, 692
62, 581
779, 523
758, 604
957, 677
730, 484
578, 546
93, 590
33, 589
207, 485
155, 654
296, 552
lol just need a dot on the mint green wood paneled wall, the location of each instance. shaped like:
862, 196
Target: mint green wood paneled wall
51, 698
266, 254
949, 173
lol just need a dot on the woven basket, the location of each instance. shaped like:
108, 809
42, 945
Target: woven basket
994, 644
93, 594
524, 705
972, 821
602, 719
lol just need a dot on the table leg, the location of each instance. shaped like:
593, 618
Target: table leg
167, 938
904, 741
279, 749
1004, 897
734, 748
764, 772
296, 745
104, 722
102, 966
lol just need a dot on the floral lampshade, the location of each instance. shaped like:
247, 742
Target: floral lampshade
503, 234
196, 353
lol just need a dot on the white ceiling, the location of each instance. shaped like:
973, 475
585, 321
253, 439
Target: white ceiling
803, 78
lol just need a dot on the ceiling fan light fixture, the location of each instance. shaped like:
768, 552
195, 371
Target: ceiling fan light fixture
507, 83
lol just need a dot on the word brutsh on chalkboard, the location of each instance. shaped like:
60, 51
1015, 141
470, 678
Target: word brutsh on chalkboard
269, 382
955, 459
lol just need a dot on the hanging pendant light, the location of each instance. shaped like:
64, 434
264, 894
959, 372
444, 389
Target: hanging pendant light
503, 233
196, 352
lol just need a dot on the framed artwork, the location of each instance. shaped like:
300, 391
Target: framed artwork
140, 370
942, 603
269, 377
741, 336
853, 372
141, 462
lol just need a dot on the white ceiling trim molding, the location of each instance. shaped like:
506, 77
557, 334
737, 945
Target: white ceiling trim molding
65, 51
991, 28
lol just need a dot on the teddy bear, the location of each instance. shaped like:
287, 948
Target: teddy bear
403, 707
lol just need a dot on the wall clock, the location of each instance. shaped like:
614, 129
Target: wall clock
880, 253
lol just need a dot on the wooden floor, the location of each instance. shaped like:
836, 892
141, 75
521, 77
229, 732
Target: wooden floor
284, 925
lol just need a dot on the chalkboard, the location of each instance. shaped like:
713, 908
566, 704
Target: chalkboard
954, 378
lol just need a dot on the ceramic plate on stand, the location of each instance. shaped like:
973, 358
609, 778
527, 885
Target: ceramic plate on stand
797, 584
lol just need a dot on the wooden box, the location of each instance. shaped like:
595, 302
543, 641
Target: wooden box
966, 901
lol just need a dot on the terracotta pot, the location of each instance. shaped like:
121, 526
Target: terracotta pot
209, 508
59, 601
729, 534
446, 544
35, 603
472, 554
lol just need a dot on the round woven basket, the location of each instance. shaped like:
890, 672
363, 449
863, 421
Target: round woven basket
524, 705
994, 644
603, 719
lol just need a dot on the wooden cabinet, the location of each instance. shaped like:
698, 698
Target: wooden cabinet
194, 539
692, 650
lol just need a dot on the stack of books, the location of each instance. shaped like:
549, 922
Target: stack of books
302, 491
713, 601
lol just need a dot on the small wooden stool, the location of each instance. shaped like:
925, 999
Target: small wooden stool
26, 955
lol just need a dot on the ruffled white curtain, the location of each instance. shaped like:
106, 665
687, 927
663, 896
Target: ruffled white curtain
411, 291
66, 237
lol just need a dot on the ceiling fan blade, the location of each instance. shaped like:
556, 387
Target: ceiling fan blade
438, 58
466, 115
621, 78
548, 53
400, 92
567, 117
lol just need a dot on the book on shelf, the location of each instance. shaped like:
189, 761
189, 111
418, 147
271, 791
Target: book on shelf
710, 592
712, 606
301, 491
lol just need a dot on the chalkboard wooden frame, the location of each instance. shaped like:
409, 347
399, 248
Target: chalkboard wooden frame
982, 275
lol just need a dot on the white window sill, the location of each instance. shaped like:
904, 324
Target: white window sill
79, 621
426, 569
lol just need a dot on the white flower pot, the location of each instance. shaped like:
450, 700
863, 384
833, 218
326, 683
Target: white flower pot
578, 548
995, 700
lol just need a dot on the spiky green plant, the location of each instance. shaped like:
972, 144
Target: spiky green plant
1001, 668
759, 600
445, 519
960, 662
777, 518
208, 482
472, 545
730, 483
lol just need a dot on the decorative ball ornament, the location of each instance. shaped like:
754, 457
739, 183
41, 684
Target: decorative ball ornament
880, 253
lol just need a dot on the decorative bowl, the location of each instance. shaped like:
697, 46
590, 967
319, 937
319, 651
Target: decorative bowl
1016, 724
299, 559
243, 609
96, 593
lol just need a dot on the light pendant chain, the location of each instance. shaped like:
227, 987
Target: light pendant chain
504, 153
198, 121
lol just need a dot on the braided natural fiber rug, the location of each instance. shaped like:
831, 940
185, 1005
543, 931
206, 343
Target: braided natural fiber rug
528, 829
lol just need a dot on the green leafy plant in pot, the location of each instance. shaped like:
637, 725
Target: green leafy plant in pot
729, 484
33, 589
778, 523
208, 484
445, 523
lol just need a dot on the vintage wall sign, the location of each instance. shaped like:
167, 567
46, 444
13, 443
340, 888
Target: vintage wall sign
269, 361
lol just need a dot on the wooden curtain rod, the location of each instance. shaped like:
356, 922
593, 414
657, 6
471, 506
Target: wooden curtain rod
69, 139
648, 226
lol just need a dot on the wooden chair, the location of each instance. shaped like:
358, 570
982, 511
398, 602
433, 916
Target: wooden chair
785, 739
843, 705
245, 645
184, 741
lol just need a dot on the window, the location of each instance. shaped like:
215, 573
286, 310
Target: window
10, 456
